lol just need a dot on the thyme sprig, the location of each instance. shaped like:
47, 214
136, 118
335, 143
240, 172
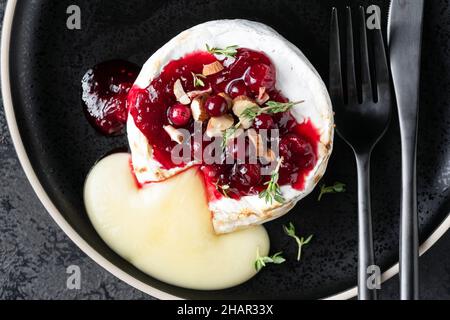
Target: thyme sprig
197, 78
301, 242
229, 51
261, 262
272, 107
223, 189
273, 190
227, 134
337, 187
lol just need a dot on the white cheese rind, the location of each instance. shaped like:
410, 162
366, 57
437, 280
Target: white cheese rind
296, 78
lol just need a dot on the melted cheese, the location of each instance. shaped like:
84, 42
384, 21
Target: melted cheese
165, 228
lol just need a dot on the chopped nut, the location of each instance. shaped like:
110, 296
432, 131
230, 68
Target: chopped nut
263, 96
257, 142
261, 151
228, 99
179, 93
269, 155
241, 103
217, 125
212, 68
198, 109
174, 134
196, 93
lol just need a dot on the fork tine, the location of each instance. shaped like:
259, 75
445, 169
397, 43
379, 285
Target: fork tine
381, 66
352, 95
366, 86
335, 81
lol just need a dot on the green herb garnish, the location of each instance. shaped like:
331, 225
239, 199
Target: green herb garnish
271, 107
223, 189
227, 134
198, 82
251, 113
273, 190
290, 231
261, 262
229, 51
338, 187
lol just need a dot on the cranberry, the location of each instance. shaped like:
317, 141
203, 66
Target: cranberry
216, 106
105, 90
296, 149
264, 121
285, 122
260, 75
237, 88
288, 173
238, 150
179, 114
213, 170
246, 175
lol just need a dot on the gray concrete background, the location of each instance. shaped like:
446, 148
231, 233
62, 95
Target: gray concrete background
34, 252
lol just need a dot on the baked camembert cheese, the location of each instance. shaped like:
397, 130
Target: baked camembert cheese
207, 77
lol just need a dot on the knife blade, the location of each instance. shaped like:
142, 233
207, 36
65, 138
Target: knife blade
405, 26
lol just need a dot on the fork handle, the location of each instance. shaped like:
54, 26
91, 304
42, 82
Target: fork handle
365, 238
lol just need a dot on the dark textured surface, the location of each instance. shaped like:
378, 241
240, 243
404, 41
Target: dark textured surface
34, 253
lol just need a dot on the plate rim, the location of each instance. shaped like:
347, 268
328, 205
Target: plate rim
67, 228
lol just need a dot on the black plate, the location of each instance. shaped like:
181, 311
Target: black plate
48, 61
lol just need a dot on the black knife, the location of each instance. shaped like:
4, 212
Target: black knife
405, 41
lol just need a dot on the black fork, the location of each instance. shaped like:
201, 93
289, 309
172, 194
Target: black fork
361, 124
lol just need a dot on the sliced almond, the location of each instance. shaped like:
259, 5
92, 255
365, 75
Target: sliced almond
261, 150
198, 109
257, 142
240, 104
269, 155
174, 134
228, 99
263, 96
217, 125
179, 93
212, 68
196, 93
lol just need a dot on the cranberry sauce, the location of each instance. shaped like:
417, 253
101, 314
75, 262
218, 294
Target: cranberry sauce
156, 106
105, 90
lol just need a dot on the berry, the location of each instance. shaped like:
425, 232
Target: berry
246, 175
216, 106
264, 121
260, 75
296, 149
237, 88
285, 122
105, 91
179, 114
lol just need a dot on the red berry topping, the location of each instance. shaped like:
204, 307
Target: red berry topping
179, 114
297, 150
246, 175
264, 121
260, 75
216, 106
237, 88
105, 90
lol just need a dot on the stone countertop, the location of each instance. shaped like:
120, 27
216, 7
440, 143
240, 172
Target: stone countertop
35, 253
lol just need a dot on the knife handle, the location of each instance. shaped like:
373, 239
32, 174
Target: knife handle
409, 240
